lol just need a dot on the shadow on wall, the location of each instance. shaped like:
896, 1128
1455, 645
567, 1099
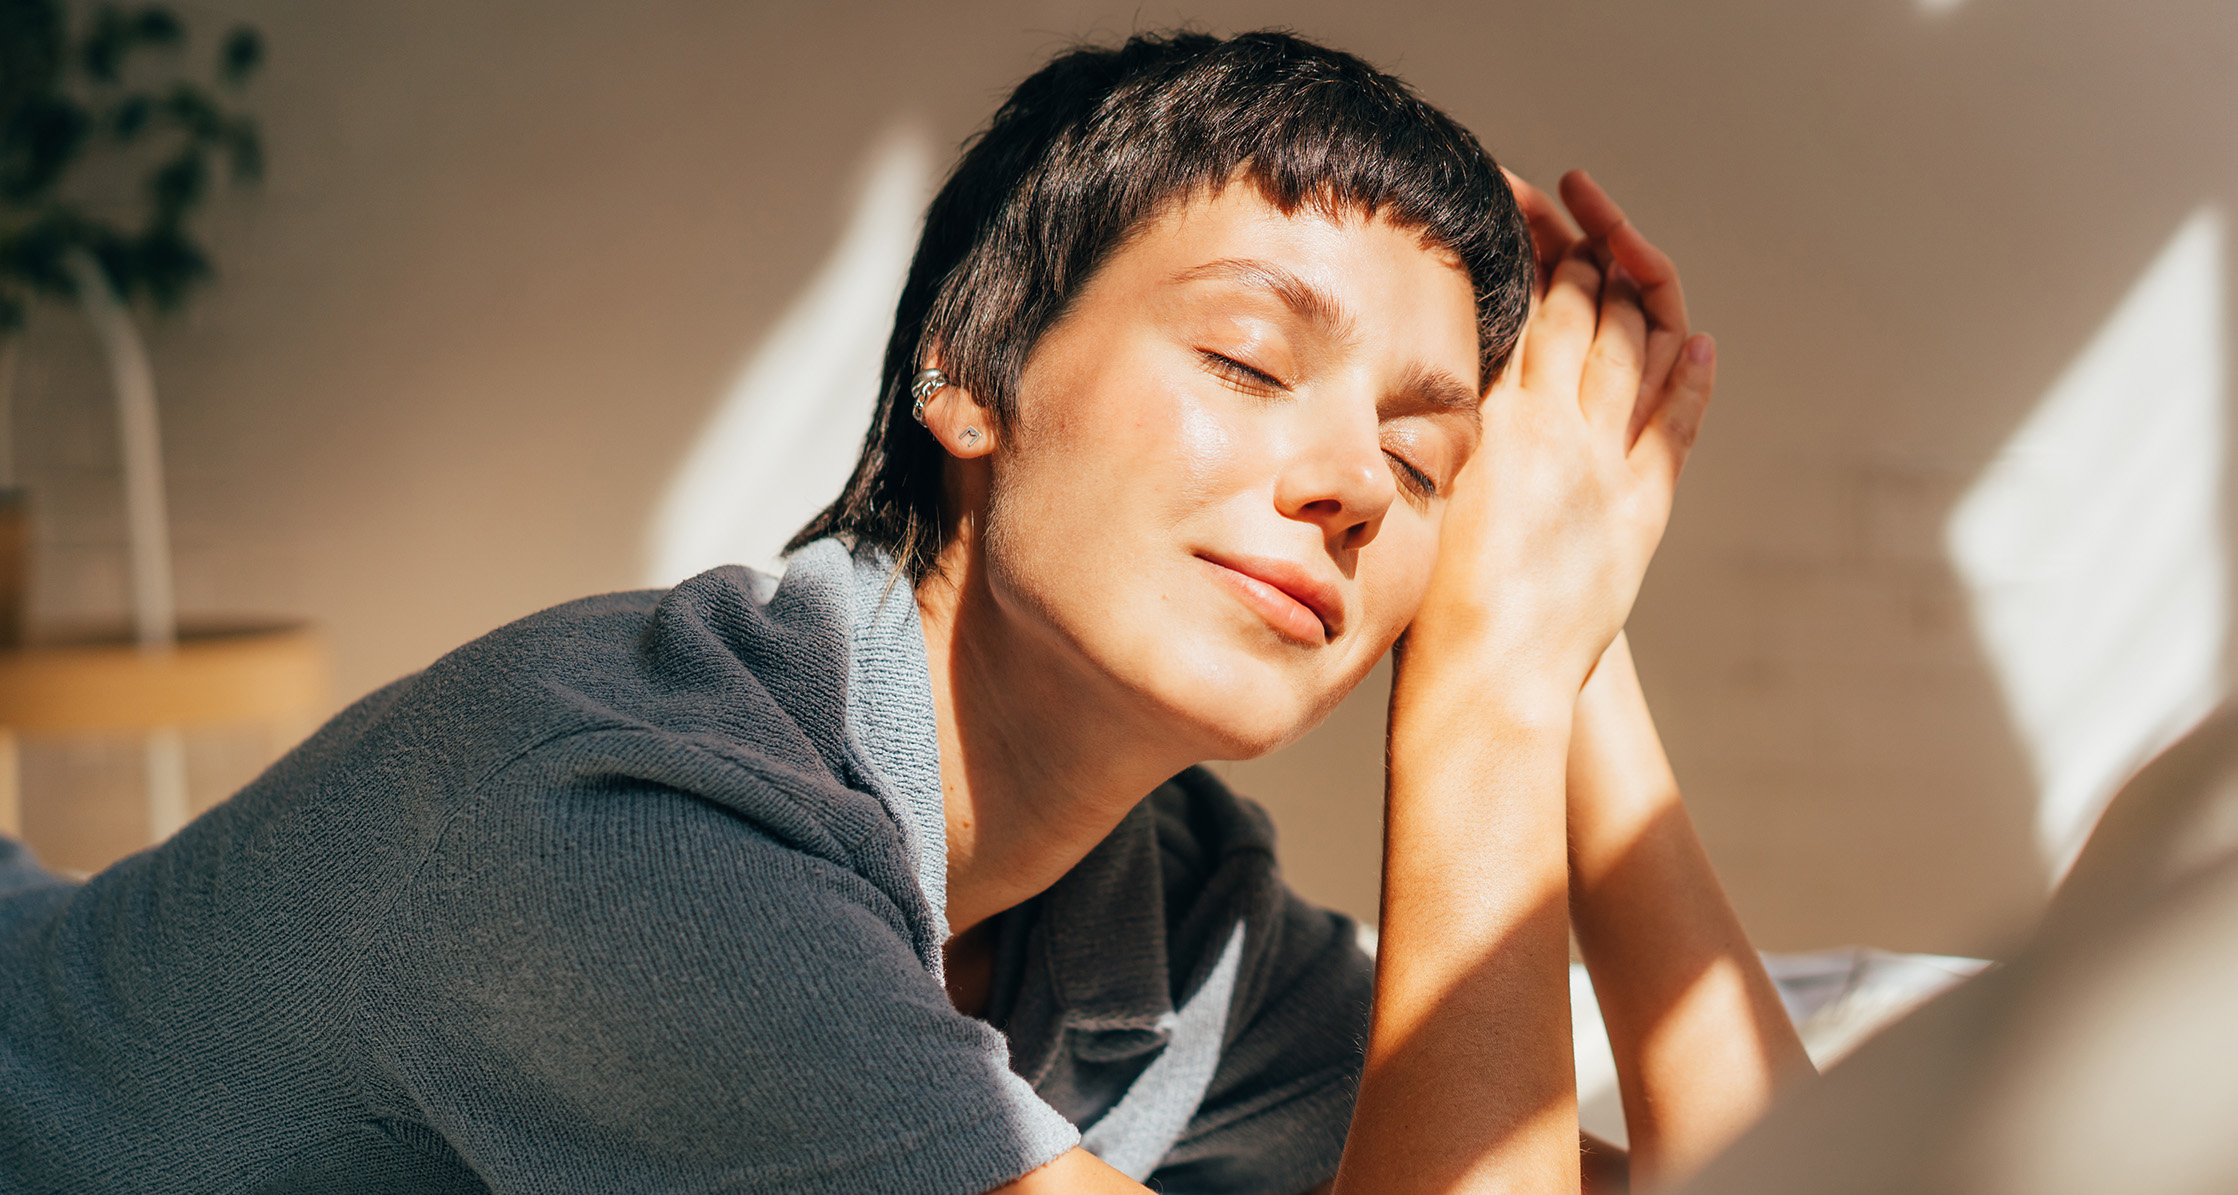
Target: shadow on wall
2092, 550
1857, 636
784, 438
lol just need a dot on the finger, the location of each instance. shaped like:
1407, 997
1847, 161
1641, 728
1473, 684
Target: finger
1660, 293
1663, 345
1597, 215
1551, 234
1561, 329
1668, 436
1595, 212
1604, 221
1511, 374
1609, 389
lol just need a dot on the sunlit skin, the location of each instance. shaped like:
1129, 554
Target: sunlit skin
1240, 392
1253, 453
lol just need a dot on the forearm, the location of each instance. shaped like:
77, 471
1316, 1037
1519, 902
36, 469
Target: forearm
1699, 1036
1468, 1085
1543, 538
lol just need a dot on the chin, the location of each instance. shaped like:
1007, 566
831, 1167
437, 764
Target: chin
1239, 705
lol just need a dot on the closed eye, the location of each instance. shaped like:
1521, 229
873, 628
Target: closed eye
1240, 375
1418, 484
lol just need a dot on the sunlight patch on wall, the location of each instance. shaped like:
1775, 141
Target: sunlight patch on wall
785, 436
1937, 8
2092, 545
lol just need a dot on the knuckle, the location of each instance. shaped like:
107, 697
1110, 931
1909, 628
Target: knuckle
1614, 353
1576, 270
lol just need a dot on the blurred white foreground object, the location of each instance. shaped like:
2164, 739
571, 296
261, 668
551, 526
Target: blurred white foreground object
2092, 1064
2097, 1060
1837, 998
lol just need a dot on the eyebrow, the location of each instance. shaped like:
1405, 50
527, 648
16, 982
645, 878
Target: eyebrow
1425, 388
1299, 295
1437, 391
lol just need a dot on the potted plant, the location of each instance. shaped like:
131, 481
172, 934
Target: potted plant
108, 145
83, 104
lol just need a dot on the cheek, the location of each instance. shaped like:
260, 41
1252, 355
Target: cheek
1149, 449
1208, 449
1395, 573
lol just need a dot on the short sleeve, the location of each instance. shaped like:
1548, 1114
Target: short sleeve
628, 988
1273, 1121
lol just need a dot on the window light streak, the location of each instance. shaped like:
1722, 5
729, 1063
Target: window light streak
784, 438
2092, 546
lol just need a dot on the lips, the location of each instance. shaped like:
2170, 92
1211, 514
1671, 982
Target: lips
1291, 599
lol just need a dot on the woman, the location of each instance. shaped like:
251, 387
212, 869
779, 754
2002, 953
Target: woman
1210, 380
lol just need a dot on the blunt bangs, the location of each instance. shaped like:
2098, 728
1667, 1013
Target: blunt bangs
1088, 152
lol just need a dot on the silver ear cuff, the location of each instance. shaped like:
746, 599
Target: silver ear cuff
927, 383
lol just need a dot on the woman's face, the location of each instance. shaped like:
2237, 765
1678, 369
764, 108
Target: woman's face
1223, 486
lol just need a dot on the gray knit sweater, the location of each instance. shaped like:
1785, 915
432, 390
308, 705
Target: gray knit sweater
645, 893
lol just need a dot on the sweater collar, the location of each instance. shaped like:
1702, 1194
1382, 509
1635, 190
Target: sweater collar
889, 712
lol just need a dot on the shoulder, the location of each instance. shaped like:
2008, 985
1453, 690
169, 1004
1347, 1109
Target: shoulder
713, 655
707, 669
709, 717
674, 720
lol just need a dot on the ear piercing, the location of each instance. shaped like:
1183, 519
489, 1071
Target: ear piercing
927, 383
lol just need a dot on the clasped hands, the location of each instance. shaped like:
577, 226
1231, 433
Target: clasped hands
1553, 520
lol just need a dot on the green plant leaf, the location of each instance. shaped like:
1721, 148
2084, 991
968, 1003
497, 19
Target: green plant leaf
241, 54
42, 138
194, 111
163, 124
107, 40
157, 26
114, 34
129, 118
167, 263
179, 184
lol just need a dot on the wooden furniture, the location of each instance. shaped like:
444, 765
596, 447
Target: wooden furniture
276, 677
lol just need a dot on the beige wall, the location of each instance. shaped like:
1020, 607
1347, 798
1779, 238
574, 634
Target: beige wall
509, 254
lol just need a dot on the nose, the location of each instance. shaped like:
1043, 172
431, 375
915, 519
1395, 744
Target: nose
1337, 478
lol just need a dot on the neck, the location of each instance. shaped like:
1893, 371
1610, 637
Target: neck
1039, 757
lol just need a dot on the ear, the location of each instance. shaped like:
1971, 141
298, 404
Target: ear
955, 418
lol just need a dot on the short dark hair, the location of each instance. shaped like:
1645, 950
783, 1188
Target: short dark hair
1098, 143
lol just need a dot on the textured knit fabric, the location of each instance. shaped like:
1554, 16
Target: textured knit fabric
643, 893
1138, 1132
600, 902
1089, 976
20, 870
889, 707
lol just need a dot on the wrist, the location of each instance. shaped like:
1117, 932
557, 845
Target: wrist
1493, 677
1456, 722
